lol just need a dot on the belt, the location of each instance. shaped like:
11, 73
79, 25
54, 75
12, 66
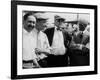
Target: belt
29, 61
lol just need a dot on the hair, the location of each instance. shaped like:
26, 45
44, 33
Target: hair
26, 15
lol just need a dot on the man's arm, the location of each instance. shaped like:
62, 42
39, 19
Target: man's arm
35, 62
73, 45
46, 47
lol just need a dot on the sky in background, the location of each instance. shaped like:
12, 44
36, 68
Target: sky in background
68, 17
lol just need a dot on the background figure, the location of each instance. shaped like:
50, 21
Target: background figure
79, 53
87, 40
58, 41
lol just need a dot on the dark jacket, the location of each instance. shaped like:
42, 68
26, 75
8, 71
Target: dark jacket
57, 61
50, 33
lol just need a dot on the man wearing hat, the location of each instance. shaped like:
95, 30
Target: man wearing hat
58, 41
79, 53
43, 48
35, 42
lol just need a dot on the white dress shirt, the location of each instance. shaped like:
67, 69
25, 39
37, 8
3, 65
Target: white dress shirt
58, 47
32, 40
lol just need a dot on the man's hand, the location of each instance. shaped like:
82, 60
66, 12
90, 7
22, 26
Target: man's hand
44, 51
85, 50
38, 51
79, 46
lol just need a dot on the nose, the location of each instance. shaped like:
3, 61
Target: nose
32, 24
45, 24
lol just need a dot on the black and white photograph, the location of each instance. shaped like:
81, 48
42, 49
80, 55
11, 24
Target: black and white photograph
52, 40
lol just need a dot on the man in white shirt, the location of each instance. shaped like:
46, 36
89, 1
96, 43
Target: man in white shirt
58, 41
34, 41
43, 48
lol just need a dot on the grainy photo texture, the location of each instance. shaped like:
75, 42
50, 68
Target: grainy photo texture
55, 39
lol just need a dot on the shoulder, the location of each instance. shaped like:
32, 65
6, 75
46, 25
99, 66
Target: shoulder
24, 31
49, 29
43, 34
77, 33
65, 33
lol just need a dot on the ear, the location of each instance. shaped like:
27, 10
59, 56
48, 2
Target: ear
24, 22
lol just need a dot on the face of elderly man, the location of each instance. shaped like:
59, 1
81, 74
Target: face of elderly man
41, 24
30, 22
59, 22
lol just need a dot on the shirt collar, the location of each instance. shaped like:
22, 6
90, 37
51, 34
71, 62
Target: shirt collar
34, 31
25, 31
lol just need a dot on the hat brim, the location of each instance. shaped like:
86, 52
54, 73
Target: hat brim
42, 18
60, 19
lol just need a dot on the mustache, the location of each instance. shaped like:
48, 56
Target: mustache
30, 26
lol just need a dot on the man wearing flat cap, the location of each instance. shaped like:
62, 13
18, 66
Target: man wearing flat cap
43, 48
58, 41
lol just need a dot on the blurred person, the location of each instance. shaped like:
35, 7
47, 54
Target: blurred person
58, 40
79, 54
75, 28
87, 30
70, 29
86, 33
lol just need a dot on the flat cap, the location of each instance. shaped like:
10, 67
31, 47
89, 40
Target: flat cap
59, 17
40, 16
